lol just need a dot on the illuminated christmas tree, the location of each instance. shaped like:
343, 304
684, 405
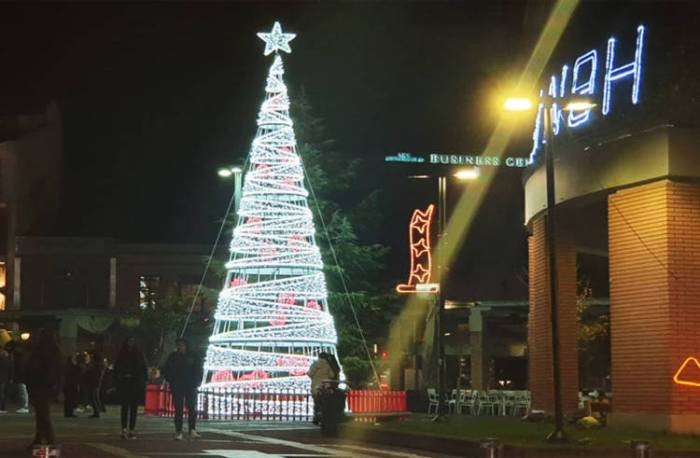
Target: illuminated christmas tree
272, 317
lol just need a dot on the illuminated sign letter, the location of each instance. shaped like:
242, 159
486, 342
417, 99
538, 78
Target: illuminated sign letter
632, 69
556, 110
587, 87
537, 137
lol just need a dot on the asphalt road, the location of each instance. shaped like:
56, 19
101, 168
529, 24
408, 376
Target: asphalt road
99, 438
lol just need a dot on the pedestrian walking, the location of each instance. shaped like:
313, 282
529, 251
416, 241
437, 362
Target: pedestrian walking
71, 386
183, 371
93, 378
5, 377
324, 368
103, 384
130, 379
84, 390
43, 373
16, 351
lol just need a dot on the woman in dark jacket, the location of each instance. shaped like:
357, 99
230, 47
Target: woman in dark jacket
130, 378
71, 386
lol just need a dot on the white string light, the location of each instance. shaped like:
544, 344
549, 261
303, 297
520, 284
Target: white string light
272, 317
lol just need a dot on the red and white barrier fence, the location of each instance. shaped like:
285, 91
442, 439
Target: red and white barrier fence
280, 405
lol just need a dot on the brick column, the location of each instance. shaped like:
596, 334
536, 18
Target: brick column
654, 235
539, 324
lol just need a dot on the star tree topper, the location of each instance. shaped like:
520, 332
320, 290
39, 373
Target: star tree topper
276, 40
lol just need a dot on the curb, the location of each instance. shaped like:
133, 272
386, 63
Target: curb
472, 449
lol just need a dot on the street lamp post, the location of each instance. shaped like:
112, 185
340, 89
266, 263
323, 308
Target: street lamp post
558, 433
524, 104
439, 316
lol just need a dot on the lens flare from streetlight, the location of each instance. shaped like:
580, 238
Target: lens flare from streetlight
467, 174
517, 104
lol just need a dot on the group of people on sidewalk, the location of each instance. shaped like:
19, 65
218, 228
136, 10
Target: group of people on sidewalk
84, 377
183, 372
41, 371
38, 375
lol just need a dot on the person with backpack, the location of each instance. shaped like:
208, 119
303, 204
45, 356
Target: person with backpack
184, 370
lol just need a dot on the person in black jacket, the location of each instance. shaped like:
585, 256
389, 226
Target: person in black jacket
183, 371
43, 372
130, 379
71, 385
93, 378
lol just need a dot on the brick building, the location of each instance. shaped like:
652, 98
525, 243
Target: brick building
627, 191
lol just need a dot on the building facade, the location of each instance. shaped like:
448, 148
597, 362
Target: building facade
85, 287
627, 184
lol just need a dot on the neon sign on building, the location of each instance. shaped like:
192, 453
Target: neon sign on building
589, 77
685, 374
421, 257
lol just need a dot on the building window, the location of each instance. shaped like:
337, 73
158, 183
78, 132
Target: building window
148, 291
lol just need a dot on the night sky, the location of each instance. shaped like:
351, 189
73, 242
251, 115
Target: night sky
155, 97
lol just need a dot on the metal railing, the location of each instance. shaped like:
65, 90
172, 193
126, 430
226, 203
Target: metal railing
274, 405
236, 404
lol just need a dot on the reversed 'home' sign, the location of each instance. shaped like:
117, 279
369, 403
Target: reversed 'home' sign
584, 80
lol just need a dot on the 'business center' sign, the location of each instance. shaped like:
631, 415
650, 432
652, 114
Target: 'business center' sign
458, 159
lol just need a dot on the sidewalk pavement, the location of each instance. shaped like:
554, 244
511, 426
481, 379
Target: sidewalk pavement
85, 437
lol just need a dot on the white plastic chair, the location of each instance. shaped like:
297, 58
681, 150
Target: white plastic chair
433, 400
522, 402
453, 401
470, 401
498, 400
486, 402
508, 402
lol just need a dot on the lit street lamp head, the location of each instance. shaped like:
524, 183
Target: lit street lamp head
227, 172
517, 104
224, 172
467, 174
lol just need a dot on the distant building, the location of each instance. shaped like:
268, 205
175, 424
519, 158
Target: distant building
84, 286
30, 183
